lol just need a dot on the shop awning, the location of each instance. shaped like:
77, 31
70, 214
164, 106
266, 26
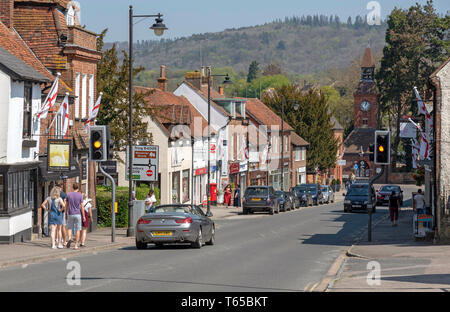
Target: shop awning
57, 175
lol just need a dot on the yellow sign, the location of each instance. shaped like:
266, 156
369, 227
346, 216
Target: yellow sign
59, 153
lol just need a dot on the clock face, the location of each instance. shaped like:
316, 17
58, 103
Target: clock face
365, 106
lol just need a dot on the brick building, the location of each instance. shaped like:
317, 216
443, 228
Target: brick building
51, 30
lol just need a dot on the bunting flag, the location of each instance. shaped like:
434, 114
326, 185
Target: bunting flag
93, 114
50, 99
64, 112
422, 108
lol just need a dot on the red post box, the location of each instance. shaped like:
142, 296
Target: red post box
213, 192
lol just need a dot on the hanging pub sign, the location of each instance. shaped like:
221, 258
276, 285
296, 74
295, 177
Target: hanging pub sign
59, 155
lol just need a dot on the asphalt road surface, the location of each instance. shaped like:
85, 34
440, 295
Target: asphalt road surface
291, 251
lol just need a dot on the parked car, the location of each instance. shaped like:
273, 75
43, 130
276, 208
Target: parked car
316, 193
302, 194
357, 197
328, 194
260, 198
175, 224
295, 200
385, 191
284, 200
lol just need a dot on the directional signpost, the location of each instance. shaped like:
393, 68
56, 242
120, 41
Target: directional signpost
145, 163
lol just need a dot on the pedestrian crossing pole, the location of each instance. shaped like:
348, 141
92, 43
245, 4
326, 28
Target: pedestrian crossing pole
113, 204
370, 203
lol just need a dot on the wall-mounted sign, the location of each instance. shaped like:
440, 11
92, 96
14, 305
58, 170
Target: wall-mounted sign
84, 170
234, 168
59, 155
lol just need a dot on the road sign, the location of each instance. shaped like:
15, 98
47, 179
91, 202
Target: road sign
145, 163
342, 162
356, 167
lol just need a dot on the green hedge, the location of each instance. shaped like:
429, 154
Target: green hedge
104, 204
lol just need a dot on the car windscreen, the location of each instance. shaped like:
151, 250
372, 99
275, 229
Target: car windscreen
359, 190
300, 189
164, 209
324, 189
389, 188
311, 189
279, 194
257, 191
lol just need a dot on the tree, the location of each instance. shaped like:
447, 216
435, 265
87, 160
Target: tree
416, 44
253, 71
112, 80
312, 121
272, 69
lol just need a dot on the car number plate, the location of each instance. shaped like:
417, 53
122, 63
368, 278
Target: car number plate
357, 206
162, 233
256, 199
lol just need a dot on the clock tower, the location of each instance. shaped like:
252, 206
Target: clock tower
366, 96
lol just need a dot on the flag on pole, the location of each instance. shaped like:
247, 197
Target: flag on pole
93, 114
64, 112
422, 108
414, 153
50, 99
424, 147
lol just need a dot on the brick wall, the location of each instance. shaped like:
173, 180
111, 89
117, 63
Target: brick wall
371, 115
7, 12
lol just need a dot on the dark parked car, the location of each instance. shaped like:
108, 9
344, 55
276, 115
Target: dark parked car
284, 200
316, 193
357, 198
302, 194
260, 198
295, 200
384, 193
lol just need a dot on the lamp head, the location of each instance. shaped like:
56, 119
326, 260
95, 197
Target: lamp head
159, 27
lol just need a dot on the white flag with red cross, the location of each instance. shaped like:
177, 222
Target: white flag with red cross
414, 153
64, 112
422, 108
50, 99
93, 114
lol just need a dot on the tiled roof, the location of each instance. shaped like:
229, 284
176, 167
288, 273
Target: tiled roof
298, 140
336, 124
367, 60
357, 138
205, 97
17, 69
264, 114
37, 27
81, 139
172, 109
12, 42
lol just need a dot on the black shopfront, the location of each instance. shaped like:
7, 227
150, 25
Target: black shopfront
18, 201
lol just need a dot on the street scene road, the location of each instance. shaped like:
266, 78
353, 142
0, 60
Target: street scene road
291, 251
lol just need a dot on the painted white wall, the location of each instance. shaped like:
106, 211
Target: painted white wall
5, 92
444, 77
15, 224
15, 123
218, 119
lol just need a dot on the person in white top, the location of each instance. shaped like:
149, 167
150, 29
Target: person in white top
150, 201
419, 200
88, 213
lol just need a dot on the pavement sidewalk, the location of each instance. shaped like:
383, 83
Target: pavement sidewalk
405, 265
39, 250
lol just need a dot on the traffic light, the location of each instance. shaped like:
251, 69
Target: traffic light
371, 151
382, 147
109, 144
98, 147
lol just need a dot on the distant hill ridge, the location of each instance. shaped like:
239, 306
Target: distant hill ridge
301, 45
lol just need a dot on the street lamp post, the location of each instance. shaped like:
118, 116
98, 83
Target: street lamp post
159, 29
226, 81
296, 106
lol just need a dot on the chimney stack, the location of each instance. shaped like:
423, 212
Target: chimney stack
162, 80
221, 90
7, 12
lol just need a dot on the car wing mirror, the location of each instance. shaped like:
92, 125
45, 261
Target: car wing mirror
209, 214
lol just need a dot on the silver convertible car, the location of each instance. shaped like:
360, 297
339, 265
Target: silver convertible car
175, 224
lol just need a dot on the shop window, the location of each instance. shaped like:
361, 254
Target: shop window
27, 110
2, 198
186, 182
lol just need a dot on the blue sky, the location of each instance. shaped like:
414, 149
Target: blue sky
187, 17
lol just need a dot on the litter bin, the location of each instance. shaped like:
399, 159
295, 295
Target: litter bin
138, 210
213, 192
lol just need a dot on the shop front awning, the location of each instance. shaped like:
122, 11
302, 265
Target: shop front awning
57, 175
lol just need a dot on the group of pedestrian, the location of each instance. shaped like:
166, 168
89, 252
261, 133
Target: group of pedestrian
394, 205
68, 214
236, 197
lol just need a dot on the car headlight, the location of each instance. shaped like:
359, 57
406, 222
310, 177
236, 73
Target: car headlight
347, 201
